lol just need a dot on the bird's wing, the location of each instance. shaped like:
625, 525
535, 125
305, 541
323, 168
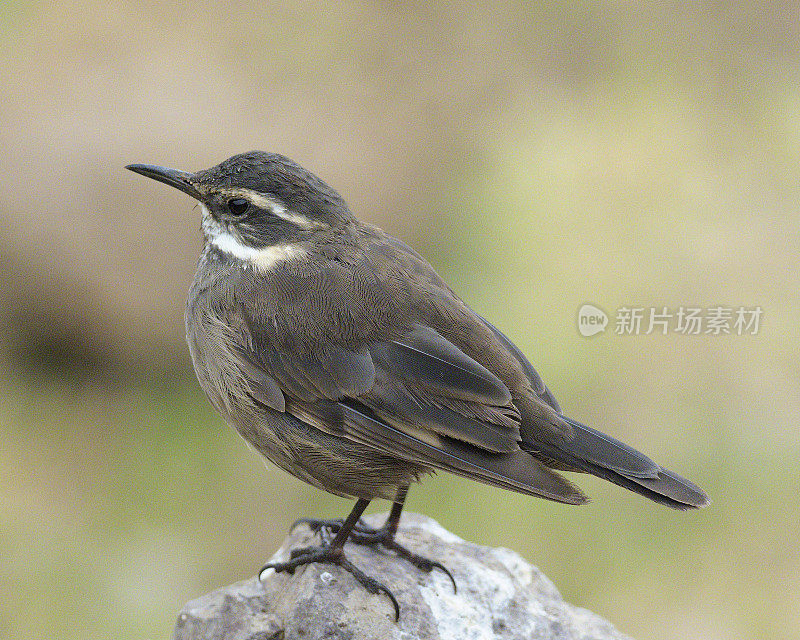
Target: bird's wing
327, 372
417, 380
435, 305
515, 470
425, 382
428, 404
239, 365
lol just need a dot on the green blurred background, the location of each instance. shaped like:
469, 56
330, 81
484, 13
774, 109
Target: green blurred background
540, 155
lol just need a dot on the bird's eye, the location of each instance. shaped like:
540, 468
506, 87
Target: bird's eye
238, 206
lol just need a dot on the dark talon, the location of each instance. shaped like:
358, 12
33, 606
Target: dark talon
443, 569
303, 551
361, 533
332, 552
363, 529
332, 526
333, 555
371, 585
329, 528
422, 563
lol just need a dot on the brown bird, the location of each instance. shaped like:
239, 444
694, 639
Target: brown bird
341, 356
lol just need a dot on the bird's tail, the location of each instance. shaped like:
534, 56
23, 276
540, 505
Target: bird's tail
601, 455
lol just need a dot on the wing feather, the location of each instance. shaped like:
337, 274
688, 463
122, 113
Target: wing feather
516, 470
401, 407
419, 380
424, 356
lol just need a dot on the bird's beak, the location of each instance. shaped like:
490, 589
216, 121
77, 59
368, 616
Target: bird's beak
174, 178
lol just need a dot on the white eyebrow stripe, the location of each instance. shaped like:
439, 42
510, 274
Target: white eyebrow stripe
276, 207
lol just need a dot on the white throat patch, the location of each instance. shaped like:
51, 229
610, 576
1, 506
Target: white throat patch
263, 259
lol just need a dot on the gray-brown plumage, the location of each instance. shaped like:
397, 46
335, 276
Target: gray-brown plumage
340, 355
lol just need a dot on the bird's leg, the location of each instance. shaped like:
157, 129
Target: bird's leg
361, 533
328, 527
385, 536
364, 531
332, 552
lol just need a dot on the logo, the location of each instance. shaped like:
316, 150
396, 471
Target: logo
591, 320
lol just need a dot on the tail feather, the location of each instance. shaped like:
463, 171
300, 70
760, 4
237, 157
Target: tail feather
600, 448
674, 486
603, 456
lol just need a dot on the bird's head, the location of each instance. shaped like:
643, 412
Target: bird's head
256, 203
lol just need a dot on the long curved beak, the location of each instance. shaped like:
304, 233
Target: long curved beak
174, 178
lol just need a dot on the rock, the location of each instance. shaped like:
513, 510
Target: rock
500, 597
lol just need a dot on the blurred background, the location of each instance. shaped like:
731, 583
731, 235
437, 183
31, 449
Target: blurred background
540, 155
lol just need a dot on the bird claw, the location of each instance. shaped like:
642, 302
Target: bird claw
386, 539
363, 534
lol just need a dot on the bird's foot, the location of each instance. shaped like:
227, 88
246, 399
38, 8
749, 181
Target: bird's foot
333, 555
385, 537
365, 535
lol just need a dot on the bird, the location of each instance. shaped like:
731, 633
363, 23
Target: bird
340, 355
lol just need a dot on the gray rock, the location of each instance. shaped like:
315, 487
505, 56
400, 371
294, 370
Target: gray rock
500, 597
